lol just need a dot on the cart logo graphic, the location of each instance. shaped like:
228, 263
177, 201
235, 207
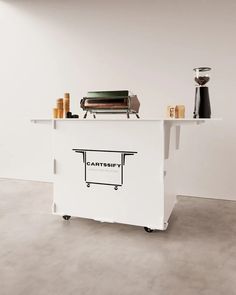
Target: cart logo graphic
104, 166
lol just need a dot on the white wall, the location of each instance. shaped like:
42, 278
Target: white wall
48, 47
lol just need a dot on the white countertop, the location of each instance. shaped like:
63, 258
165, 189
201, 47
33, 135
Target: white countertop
127, 120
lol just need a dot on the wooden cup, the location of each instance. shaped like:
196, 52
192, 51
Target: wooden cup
180, 111
67, 95
60, 113
66, 105
55, 113
170, 112
60, 104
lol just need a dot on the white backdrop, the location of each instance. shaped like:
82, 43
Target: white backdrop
49, 47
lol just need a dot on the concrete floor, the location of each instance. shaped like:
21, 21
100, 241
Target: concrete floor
42, 254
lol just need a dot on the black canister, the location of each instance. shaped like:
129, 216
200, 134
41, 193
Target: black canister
202, 107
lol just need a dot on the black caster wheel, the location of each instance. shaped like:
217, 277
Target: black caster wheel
116, 188
148, 230
88, 184
66, 217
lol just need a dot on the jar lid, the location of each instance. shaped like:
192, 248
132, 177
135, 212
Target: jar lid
202, 69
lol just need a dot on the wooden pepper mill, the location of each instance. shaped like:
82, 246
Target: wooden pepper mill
60, 108
66, 104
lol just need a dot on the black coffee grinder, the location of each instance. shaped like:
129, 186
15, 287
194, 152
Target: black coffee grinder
202, 108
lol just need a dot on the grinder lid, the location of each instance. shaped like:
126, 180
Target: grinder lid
202, 69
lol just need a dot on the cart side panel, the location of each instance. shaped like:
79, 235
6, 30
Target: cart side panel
139, 200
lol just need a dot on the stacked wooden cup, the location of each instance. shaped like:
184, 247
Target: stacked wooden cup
66, 104
63, 107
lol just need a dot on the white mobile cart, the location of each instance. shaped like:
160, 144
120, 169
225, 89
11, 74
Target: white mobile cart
116, 170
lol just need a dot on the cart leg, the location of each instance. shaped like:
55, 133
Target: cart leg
116, 188
94, 116
66, 217
85, 115
88, 184
148, 230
